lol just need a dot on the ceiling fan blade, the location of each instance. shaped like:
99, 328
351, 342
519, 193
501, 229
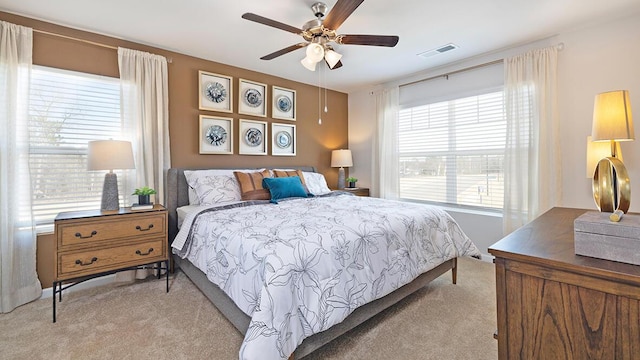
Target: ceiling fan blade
276, 24
338, 65
373, 40
288, 49
339, 13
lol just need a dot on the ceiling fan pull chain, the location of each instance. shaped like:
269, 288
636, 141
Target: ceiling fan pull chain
319, 99
324, 76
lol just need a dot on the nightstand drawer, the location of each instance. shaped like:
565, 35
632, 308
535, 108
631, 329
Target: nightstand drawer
94, 232
77, 263
358, 191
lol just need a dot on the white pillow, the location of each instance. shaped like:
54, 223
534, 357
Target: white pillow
217, 189
316, 183
193, 175
207, 187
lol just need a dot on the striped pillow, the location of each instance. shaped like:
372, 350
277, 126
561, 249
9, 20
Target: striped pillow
288, 173
251, 185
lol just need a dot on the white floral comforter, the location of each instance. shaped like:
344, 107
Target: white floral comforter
302, 265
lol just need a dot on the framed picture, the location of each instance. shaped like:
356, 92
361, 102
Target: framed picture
215, 135
252, 98
283, 141
253, 137
284, 104
215, 92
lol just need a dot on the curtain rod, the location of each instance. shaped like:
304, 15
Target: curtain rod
83, 41
454, 72
560, 47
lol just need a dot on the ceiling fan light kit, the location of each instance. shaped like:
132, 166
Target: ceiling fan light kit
309, 64
320, 32
332, 57
315, 52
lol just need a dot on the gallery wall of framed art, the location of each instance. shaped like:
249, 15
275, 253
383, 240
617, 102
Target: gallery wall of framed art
215, 93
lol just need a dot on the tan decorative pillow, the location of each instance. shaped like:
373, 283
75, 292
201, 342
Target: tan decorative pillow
251, 185
287, 173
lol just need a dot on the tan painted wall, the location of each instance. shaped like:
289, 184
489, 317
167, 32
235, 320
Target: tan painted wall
45, 259
314, 142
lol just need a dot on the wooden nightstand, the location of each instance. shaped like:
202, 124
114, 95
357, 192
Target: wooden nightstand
95, 243
359, 191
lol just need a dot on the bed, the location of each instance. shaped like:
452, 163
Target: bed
303, 271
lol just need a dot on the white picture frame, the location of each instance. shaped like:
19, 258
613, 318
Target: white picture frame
211, 135
253, 137
283, 103
215, 92
283, 139
252, 98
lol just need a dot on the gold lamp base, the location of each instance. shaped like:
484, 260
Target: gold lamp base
611, 187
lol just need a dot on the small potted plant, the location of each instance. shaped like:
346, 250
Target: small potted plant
143, 195
352, 181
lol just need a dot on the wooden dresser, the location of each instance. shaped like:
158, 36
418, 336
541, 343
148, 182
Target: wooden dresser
97, 243
553, 304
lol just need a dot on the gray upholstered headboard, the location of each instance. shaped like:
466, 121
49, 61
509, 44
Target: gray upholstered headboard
177, 193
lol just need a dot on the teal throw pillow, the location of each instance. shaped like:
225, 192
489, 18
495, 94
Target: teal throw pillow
284, 187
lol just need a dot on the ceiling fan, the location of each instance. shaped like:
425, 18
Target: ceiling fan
321, 32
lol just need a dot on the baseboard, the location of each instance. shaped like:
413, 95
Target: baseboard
103, 280
487, 258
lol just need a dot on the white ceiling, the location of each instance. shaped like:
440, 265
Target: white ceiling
214, 30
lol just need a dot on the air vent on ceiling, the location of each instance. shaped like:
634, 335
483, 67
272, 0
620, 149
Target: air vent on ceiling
438, 51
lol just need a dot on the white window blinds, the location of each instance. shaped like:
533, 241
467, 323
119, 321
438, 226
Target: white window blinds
68, 109
451, 149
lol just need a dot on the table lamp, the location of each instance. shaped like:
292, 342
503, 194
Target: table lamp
341, 158
612, 122
597, 150
110, 155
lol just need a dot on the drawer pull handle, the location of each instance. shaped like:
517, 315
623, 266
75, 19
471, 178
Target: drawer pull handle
79, 235
79, 262
145, 254
147, 229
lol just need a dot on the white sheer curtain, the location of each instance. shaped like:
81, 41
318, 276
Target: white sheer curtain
145, 111
532, 160
385, 150
19, 282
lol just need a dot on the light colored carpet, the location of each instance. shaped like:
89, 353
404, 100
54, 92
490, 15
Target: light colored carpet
141, 321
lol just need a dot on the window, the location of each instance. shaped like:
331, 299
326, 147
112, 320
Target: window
453, 151
68, 109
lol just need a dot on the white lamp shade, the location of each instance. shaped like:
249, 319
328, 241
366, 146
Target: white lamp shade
315, 52
332, 57
310, 65
341, 158
612, 117
110, 155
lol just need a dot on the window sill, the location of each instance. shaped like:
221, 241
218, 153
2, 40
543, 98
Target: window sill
497, 214
460, 209
44, 229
